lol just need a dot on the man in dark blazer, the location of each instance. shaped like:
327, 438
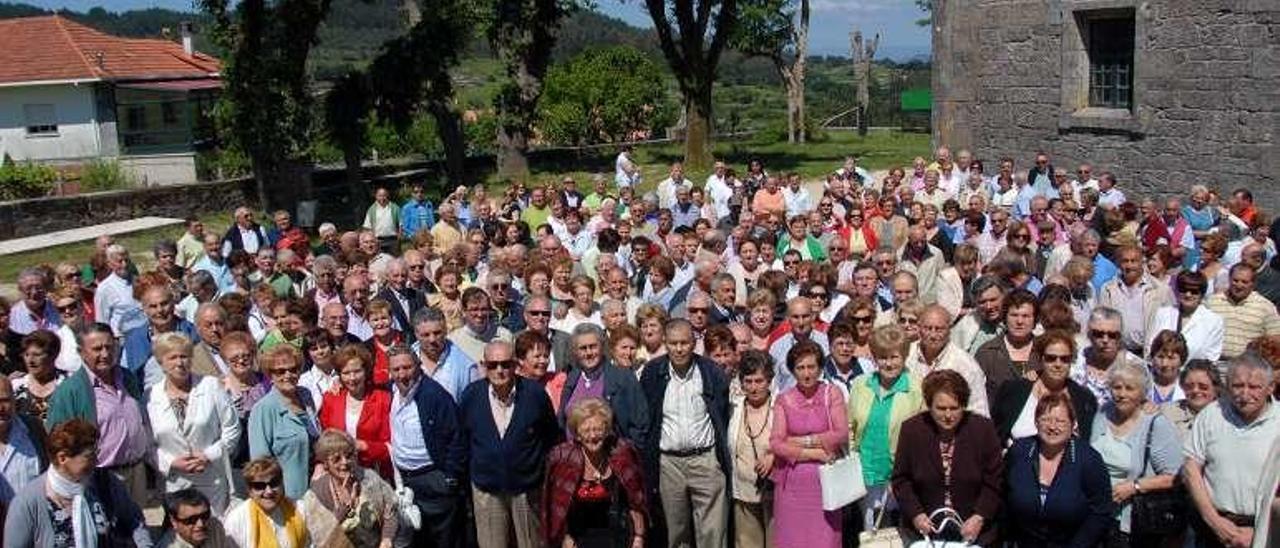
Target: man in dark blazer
595, 377
509, 427
686, 454
724, 297
404, 300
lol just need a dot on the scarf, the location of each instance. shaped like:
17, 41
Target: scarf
263, 533
84, 530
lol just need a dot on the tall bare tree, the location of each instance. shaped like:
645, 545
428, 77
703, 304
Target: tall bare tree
862, 55
778, 30
692, 47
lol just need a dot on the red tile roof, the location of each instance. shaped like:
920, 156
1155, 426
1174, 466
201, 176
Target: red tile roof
53, 47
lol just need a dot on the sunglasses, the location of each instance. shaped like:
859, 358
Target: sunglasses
539, 313
790, 263
1100, 334
864, 319
504, 364
69, 308
282, 371
204, 517
908, 321
817, 294
264, 485
1056, 358
697, 310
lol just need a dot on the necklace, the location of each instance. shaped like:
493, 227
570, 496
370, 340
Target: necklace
768, 411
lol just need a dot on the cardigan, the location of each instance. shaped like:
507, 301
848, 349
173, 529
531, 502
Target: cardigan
977, 465
275, 431
438, 417
211, 427
565, 467
1077, 510
514, 462
1013, 397
861, 398
27, 521
715, 395
373, 427
74, 399
622, 391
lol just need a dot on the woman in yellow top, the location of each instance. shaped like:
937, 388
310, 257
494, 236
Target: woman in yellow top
879, 402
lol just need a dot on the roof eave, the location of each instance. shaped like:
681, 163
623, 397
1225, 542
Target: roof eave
66, 81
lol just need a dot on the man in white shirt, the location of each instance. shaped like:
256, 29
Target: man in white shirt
667, 188
1109, 197
113, 302
1084, 179
935, 351
796, 196
355, 293
625, 172
19, 460
719, 192
800, 314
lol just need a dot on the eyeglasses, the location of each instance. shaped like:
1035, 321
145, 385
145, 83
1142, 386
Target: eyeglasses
504, 364
1056, 358
539, 313
282, 371
1100, 334
699, 310
264, 485
497, 286
790, 263
204, 517
864, 319
68, 308
817, 294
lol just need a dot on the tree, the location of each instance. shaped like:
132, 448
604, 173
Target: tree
692, 48
347, 109
522, 34
603, 95
412, 74
779, 31
266, 105
862, 55
925, 6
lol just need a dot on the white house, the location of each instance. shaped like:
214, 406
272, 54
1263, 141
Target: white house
70, 94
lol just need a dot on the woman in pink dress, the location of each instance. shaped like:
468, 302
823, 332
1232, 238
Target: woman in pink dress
810, 427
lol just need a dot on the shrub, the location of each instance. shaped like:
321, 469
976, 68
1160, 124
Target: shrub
20, 181
221, 163
100, 175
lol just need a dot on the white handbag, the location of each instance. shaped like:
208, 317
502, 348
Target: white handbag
948, 516
410, 515
878, 537
841, 479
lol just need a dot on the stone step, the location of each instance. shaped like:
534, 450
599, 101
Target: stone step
88, 233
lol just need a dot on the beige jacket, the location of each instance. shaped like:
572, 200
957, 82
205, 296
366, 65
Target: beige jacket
926, 272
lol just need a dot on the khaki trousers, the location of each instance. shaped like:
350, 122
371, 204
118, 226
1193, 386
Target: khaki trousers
753, 524
693, 495
498, 516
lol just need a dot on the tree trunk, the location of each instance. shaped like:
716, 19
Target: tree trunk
862, 120
513, 161
698, 129
357, 192
449, 126
792, 109
798, 69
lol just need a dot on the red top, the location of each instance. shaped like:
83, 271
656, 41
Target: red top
373, 428
381, 365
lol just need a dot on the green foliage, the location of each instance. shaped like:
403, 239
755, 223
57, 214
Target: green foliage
24, 180
481, 135
604, 95
765, 28
775, 130
100, 175
221, 163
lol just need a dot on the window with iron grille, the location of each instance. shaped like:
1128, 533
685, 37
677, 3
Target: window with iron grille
1111, 62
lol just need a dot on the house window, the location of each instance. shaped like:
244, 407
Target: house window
1110, 47
40, 119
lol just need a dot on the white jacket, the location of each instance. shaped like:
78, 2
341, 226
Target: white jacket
1203, 331
211, 429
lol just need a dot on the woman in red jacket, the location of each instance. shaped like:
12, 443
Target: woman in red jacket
360, 409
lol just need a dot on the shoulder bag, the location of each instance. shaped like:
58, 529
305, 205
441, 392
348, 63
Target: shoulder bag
1161, 512
948, 516
841, 479
877, 537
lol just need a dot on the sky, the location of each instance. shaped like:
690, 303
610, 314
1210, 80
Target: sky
830, 23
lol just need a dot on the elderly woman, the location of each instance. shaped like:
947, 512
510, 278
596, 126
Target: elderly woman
594, 495
751, 416
1212, 248
659, 290
346, 505
1014, 410
283, 424
385, 336
31, 391
269, 518
948, 458
1140, 450
761, 304
74, 505
582, 308
1057, 492
1200, 327
810, 428
879, 402
650, 319
360, 408
1007, 357
624, 342
1167, 355
906, 315
195, 426
1200, 384
533, 352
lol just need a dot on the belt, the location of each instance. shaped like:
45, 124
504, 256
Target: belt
685, 453
1237, 519
118, 467
406, 474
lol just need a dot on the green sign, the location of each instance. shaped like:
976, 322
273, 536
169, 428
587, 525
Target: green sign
917, 100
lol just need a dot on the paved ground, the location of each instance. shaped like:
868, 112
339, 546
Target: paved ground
53, 239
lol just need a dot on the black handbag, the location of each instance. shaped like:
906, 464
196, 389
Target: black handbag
1160, 513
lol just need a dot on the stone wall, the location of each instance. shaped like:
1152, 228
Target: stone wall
24, 218
1008, 73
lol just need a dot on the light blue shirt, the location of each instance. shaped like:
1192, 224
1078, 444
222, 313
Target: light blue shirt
415, 216
221, 273
19, 463
783, 379
275, 431
456, 370
408, 444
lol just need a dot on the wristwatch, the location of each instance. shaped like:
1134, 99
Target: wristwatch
1137, 487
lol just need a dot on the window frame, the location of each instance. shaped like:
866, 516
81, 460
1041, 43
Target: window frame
31, 120
1078, 112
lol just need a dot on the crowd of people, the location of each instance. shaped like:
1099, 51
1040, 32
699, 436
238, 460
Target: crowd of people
1047, 359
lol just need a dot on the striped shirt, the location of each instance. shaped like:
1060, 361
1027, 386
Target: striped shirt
1244, 321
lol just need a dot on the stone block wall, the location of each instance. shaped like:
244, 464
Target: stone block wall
1007, 77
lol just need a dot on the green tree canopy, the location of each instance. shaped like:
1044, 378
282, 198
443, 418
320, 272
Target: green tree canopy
604, 95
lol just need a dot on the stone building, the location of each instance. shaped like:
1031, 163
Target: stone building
1164, 93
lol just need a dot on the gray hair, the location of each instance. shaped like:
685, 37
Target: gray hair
1106, 314
324, 262
33, 272
584, 329
202, 278
222, 312
326, 228
116, 251
610, 304
724, 277
163, 246
1250, 361
986, 282
1130, 372
428, 314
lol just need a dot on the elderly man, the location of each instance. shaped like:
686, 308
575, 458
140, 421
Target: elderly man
505, 300
215, 263
325, 271
478, 326
700, 283
383, 220
1137, 296
667, 188
265, 261
35, 311
1226, 450
427, 448
405, 301
191, 244
448, 230
1246, 315
800, 316
617, 286
508, 426
984, 322
1105, 330
244, 234
206, 356
537, 319
109, 396
191, 523
924, 260
355, 293
687, 462
439, 357
724, 295
595, 377
158, 305
113, 302
935, 351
